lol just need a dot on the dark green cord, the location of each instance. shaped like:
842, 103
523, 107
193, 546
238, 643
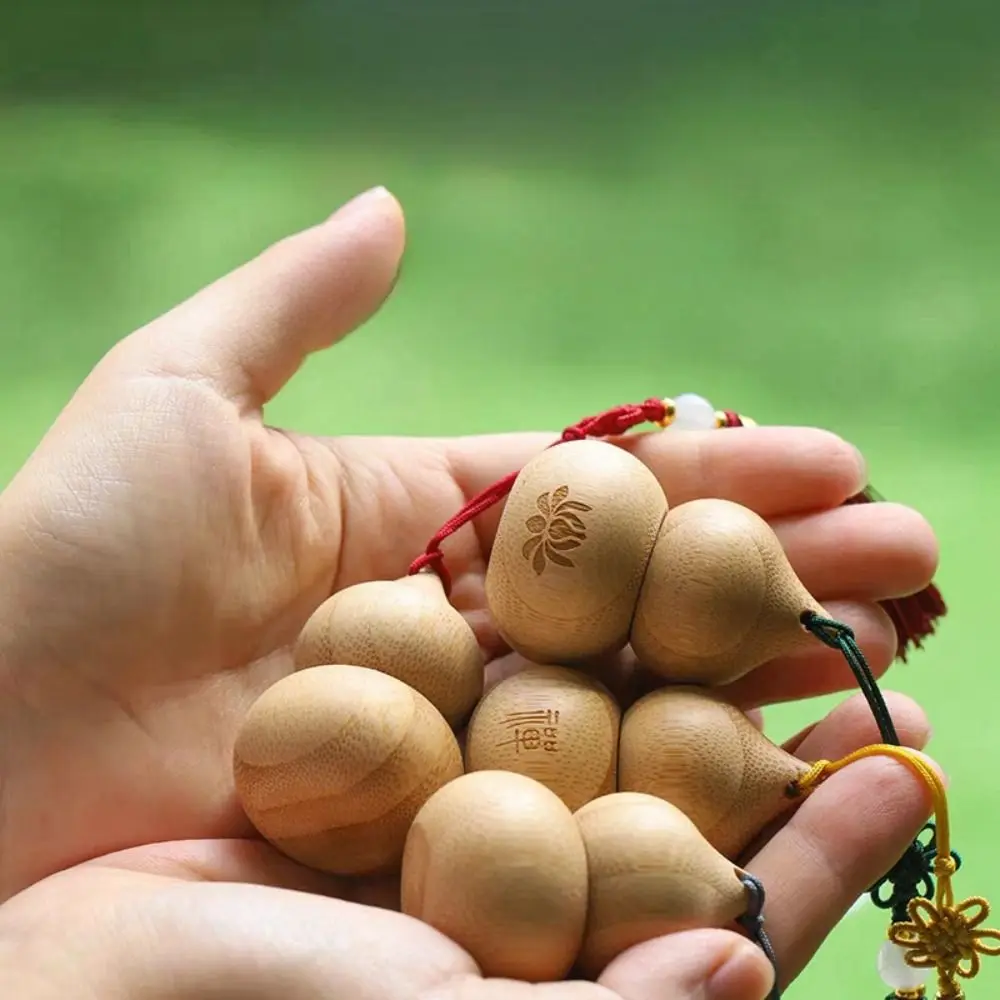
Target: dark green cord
837, 635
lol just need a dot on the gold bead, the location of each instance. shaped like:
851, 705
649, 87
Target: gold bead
670, 411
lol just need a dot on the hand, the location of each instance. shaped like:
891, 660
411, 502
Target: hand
163, 546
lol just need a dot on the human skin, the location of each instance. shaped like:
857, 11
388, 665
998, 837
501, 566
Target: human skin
159, 553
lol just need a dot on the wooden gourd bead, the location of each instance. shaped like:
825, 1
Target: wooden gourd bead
719, 596
405, 628
690, 747
495, 861
570, 551
553, 724
333, 762
651, 873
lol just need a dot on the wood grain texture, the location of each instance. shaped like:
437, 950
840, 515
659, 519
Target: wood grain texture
405, 628
691, 748
553, 724
651, 873
495, 861
570, 551
719, 597
333, 762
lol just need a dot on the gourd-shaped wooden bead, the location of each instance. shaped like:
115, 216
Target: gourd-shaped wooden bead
495, 861
553, 724
719, 598
333, 762
690, 747
651, 873
570, 551
406, 628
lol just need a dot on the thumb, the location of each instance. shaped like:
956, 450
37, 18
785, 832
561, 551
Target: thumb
249, 332
691, 965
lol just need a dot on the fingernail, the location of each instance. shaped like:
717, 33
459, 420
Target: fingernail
360, 203
862, 469
745, 975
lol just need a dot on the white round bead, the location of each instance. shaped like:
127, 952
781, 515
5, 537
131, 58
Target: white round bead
693, 413
895, 972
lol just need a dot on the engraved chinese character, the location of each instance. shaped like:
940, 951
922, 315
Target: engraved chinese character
540, 733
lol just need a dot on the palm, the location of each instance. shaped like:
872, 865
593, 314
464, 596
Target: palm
237, 529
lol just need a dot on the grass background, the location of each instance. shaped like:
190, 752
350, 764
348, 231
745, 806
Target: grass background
788, 207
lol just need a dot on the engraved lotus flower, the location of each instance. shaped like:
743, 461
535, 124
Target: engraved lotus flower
949, 938
555, 530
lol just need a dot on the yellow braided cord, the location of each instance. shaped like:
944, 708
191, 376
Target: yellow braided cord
915, 762
942, 935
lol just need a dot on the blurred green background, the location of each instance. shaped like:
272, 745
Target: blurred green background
788, 207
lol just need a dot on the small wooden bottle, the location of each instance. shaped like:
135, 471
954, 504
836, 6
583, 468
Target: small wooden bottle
496, 862
690, 747
570, 551
405, 628
719, 596
553, 724
651, 874
332, 763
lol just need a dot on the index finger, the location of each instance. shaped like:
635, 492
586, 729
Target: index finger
844, 836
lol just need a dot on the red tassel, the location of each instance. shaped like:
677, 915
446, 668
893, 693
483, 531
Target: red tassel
606, 424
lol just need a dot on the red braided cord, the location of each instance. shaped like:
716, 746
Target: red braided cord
607, 424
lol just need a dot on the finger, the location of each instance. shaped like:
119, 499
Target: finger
818, 670
692, 965
848, 726
775, 471
841, 840
249, 332
863, 552
206, 919
851, 725
264, 944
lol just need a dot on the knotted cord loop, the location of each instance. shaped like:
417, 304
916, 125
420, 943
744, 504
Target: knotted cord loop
910, 877
752, 922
